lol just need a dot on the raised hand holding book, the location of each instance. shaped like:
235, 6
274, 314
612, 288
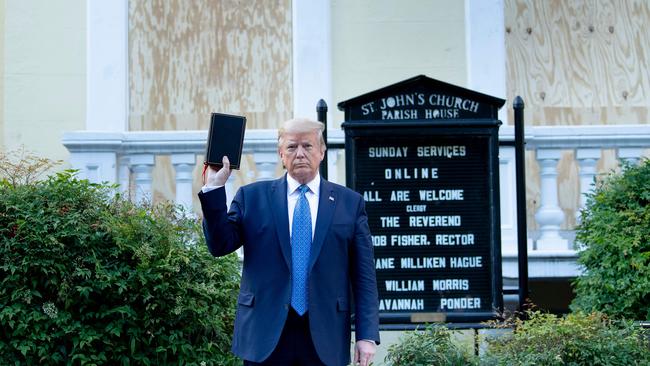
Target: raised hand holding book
225, 138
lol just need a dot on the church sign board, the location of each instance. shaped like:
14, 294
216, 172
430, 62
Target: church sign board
424, 155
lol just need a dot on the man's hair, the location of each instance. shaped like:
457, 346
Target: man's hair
302, 125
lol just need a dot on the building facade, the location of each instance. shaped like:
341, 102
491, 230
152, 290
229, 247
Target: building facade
122, 90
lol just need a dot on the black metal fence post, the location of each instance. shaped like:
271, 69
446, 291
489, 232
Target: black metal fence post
321, 112
522, 234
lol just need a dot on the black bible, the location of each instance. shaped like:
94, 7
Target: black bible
225, 138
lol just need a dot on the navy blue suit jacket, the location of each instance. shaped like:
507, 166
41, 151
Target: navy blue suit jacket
341, 267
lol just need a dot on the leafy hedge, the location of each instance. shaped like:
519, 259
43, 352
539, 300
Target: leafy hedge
543, 339
615, 236
430, 347
576, 339
86, 277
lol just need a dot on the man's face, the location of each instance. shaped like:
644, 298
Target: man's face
301, 154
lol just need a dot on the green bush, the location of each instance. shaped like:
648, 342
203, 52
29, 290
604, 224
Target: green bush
431, 347
90, 278
614, 234
577, 339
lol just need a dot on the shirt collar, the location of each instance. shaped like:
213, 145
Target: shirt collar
314, 184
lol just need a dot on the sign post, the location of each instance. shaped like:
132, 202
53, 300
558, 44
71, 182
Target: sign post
424, 155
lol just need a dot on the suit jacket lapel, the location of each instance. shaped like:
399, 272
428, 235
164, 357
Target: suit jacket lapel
326, 206
278, 201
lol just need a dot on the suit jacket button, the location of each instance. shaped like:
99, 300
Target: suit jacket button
286, 306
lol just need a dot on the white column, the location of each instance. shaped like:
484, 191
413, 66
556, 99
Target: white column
265, 163
142, 165
230, 189
508, 200
106, 65
587, 161
184, 165
549, 216
124, 174
97, 167
631, 155
332, 161
312, 57
94, 154
486, 49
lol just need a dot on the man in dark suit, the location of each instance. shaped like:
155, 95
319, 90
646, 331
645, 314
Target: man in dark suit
308, 256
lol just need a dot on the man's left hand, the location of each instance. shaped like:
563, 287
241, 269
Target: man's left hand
364, 351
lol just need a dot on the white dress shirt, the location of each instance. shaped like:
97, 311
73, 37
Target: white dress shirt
312, 198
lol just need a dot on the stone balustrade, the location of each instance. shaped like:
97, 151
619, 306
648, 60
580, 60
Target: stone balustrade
128, 158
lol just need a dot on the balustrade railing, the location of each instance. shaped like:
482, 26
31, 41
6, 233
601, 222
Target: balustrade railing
128, 159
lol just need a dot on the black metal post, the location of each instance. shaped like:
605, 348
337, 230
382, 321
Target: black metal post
522, 233
321, 111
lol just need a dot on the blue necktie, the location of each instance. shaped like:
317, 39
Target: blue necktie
300, 248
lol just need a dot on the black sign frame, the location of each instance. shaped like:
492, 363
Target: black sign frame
484, 128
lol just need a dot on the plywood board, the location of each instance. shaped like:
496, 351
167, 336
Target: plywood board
579, 62
582, 62
190, 58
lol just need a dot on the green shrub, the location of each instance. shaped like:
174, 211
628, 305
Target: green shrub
577, 339
430, 347
90, 278
615, 237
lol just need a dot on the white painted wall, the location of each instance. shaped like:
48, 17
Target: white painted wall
486, 49
44, 74
312, 58
2, 75
107, 64
380, 42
